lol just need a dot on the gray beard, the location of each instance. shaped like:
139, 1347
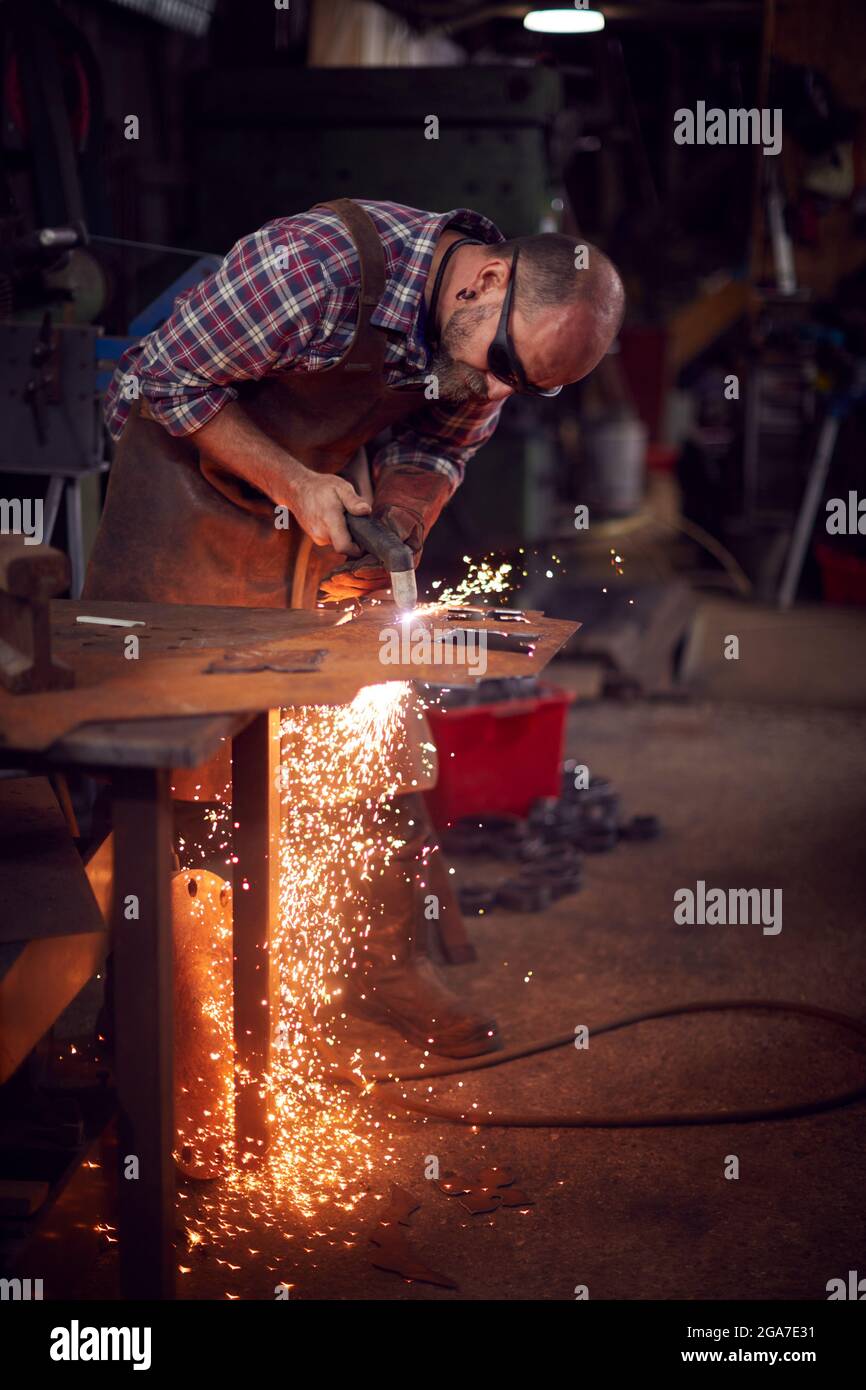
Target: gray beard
455, 380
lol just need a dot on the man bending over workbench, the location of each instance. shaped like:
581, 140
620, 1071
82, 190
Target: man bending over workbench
317, 334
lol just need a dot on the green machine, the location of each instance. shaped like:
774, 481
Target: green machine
274, 141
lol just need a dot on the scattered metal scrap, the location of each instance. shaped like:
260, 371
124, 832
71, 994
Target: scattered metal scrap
475, 899
641, 828
392, 1252
259, 659
508, 615
497, 615
518, 643
402, 1206
549, 843
493, 1188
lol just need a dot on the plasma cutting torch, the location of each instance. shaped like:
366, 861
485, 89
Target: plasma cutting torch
396, 557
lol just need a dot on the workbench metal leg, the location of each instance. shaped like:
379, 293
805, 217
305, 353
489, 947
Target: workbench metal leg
74, 536
255, 903
144, 1022
53, 498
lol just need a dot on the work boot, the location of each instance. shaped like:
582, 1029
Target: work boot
395, 981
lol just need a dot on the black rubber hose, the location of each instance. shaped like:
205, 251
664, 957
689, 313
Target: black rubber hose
577, 1121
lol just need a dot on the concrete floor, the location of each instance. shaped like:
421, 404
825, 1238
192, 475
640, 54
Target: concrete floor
762, 783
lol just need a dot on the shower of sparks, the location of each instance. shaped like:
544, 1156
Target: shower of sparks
340, 768
617, 562
481, 578
486, 578
217, 817
337, 767
204, 1040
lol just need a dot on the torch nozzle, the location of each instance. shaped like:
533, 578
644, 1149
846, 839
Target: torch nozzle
404, 589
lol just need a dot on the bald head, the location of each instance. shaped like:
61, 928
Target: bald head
556, 271
567, 305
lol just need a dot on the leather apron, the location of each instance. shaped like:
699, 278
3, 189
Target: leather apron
177, 527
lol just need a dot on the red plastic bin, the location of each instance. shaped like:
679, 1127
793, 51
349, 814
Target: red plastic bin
506, 755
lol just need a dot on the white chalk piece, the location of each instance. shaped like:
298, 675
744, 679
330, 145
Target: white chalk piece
112, 622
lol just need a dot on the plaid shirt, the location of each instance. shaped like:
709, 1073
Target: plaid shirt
286, 297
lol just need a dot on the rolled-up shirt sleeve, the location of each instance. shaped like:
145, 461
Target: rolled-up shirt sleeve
442, 438
257, 312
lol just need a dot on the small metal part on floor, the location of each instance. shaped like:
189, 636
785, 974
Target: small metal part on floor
549, 844
491, 1189
390, 1248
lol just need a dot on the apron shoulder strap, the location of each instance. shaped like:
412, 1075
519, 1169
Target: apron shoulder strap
367, 350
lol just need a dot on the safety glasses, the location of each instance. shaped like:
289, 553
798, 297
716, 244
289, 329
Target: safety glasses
502, 360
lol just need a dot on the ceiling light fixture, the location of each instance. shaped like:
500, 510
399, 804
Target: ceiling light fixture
562, 21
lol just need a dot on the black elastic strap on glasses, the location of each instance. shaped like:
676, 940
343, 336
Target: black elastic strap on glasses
433, 335
502, 358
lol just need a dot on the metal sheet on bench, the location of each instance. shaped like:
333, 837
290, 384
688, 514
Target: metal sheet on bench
177, 643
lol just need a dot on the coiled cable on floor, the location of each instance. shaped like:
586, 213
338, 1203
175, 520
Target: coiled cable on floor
572, 1120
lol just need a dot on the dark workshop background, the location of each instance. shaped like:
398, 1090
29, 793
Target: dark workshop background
246, 112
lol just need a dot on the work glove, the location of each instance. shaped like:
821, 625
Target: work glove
408, 500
